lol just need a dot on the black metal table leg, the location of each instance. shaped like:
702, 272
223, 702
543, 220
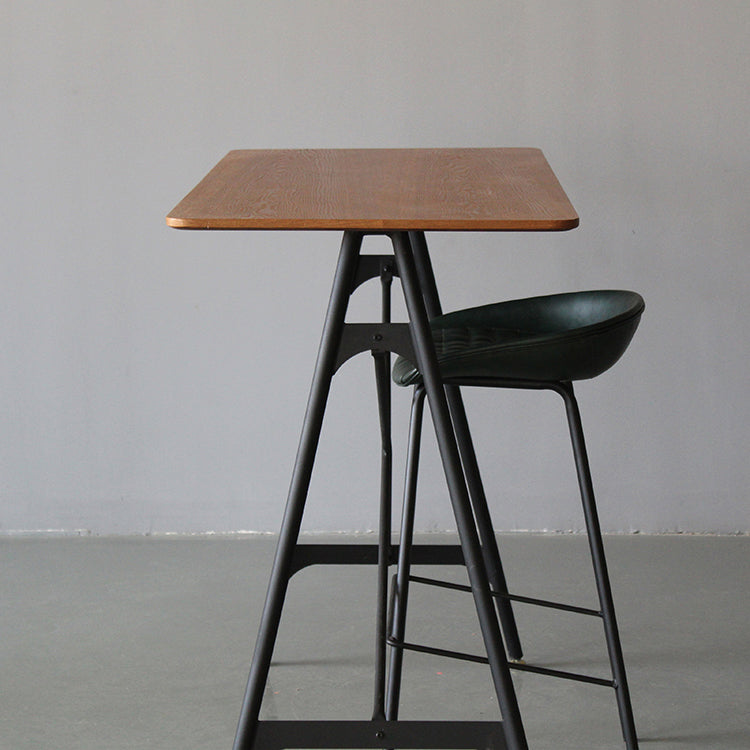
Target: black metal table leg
341, 340
428, 366
383, 381
401, 586
477, 495
282, 566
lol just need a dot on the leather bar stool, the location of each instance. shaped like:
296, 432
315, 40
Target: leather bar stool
541, 343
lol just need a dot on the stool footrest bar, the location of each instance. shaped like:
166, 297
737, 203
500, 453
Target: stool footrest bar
575, 676
563, 675
381, 735
511, 597
437, 651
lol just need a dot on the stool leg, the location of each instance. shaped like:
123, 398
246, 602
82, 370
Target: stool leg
398, 623
290, 527
480, 585
600, 568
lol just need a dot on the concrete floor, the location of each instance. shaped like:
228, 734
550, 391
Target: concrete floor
129, 643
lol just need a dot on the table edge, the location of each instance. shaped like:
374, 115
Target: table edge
447, 225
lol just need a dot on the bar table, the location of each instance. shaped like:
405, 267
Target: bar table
401, 193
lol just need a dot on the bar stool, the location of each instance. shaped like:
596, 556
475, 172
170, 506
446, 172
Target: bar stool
541, 343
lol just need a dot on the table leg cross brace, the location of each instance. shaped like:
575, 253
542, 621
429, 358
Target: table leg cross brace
381, 735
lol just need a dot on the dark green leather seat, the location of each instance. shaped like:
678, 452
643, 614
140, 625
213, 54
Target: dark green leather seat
561, 337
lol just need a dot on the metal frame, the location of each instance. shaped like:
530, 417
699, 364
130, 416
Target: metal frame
606, 611
477, 549
339, 341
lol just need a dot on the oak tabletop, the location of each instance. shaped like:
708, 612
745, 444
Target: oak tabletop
464, 189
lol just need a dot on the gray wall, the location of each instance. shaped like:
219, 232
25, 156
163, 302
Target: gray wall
154, 380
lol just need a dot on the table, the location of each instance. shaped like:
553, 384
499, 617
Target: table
401, 193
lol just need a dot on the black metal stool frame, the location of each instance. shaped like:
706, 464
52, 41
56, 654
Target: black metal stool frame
606, 611
477, 551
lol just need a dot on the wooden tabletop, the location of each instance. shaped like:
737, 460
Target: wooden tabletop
478, 189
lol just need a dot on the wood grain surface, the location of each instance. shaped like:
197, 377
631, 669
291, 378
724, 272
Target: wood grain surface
482, 189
